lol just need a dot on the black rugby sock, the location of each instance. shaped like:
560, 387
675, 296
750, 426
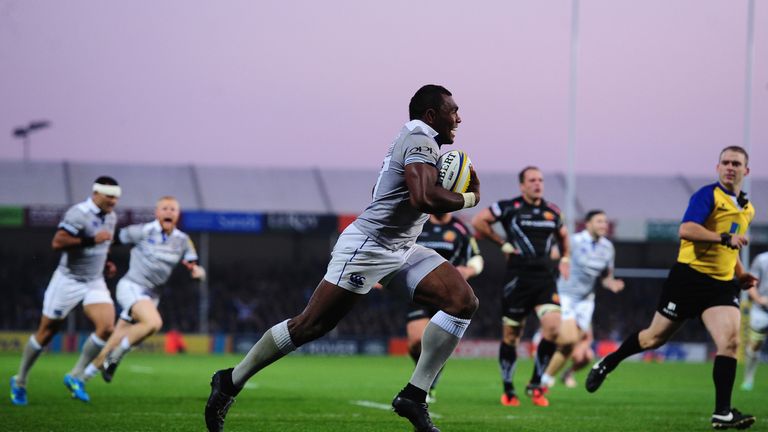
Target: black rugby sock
226, 383
413, 393
629, 347
543, 355
724, 374
507, 360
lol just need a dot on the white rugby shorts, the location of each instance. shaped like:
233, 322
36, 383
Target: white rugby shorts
758, 319
64, 293
128, 293
358, 263
578, 308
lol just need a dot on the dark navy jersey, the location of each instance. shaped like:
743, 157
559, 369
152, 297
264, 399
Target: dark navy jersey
453, 241
531, 229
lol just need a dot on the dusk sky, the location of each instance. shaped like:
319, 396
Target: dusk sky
326, 83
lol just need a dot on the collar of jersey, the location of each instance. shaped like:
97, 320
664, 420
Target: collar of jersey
156, 224
92, 206
413, 124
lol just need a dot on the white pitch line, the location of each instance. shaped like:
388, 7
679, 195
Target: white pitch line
381, 406
141, 369
251, 385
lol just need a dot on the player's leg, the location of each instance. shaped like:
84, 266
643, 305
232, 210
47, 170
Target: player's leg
414, 329
656, 335
327, 306
418, 318
752, 357
550, 320
758, 326
102, 315
723, 324
569, 336
357, 263
511, 331
61, 296
97, 364
444, 288
581, 356
45, 332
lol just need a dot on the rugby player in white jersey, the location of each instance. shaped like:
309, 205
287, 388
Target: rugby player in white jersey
380, 246
592, 257
83, 236
158, 247
758, 320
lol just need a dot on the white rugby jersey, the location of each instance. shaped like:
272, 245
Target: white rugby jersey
155, 253
589, 259
759, 268
390, 219
85, 220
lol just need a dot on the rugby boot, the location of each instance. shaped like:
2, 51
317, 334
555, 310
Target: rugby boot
76, 388
18, 393
734, 419
415, 412
218, 403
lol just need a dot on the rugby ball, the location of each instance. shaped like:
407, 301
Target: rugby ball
453, 171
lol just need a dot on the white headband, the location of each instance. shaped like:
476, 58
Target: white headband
108, 190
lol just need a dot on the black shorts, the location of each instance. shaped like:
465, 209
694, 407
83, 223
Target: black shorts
687, 293
525, 290
417, 312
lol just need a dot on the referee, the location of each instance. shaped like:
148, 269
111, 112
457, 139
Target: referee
704, 282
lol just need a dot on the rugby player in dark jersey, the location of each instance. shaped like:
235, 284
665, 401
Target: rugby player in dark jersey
532, 225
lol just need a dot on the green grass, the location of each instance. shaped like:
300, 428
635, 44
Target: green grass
159, 393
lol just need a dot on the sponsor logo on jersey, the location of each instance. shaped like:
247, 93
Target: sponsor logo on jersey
357, 280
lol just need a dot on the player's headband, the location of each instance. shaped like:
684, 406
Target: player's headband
108, 190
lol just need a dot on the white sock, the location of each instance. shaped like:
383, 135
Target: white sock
440, 338
751, 365
275, 344
90, 372
30, 354
90, 351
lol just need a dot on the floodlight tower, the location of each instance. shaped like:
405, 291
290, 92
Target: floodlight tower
23, 132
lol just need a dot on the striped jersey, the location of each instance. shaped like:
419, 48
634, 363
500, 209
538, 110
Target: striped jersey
453, 241
155, 253
530, 228
85, 220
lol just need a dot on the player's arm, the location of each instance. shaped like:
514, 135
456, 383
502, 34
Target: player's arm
64, 240
692, 228
428, 197
611, 283
474, 265
695, 232
483, 222
747, 280
196, 271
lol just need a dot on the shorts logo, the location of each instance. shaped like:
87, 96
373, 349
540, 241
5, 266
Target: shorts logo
357, 280
734, 228
670, 309
58, 312
736, 301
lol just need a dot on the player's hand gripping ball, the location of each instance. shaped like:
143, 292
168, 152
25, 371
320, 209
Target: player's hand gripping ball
453, 171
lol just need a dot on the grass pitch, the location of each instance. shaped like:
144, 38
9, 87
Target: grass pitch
159, 393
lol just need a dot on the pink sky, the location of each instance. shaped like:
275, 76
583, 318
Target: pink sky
308, 83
